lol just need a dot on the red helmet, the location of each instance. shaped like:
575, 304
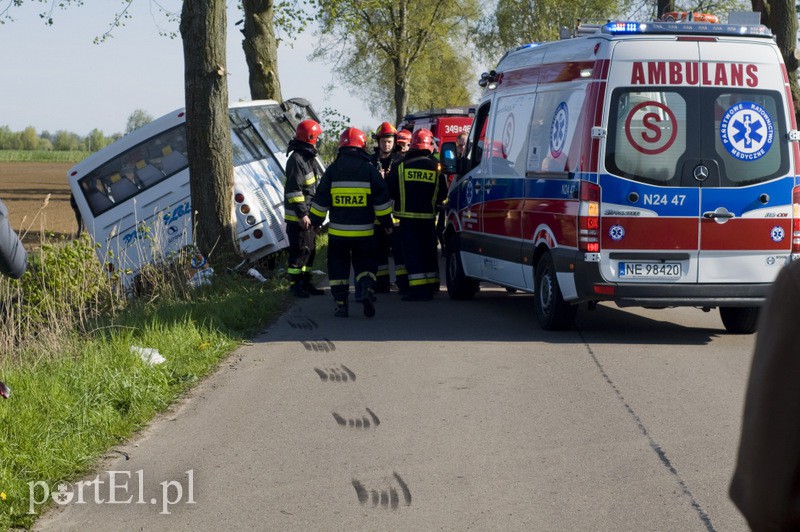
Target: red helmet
422, 140
404, 136
385, 130
308, 131
352, 138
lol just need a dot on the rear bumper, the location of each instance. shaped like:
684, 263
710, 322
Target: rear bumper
587, 279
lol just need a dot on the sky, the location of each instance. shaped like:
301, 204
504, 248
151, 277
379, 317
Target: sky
55, 77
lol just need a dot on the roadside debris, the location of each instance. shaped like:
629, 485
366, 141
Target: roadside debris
5, 391
148, 355
257, 275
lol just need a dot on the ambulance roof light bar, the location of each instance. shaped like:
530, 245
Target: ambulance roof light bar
692, 28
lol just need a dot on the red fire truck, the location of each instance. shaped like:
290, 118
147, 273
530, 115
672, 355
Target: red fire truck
445, 124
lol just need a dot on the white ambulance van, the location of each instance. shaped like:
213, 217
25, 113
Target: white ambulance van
134, 194
648, 164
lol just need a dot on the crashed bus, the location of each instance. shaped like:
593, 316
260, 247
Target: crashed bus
134, 195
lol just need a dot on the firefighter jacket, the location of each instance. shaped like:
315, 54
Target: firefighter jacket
301, 180
385, 164
353, 194
417, 186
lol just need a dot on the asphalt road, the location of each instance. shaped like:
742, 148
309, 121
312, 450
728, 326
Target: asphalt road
452, 415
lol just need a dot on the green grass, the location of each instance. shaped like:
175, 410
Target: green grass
42, 156
74, 400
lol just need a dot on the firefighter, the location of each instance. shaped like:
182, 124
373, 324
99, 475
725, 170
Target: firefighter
301, 184
418, 188
353, 194
384, 159
403, 142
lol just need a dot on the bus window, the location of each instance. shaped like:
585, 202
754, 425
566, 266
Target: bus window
135, 170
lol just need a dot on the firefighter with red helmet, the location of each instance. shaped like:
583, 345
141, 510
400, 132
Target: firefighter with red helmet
417, 188
353, 194
301, 183
385, 158
403, 142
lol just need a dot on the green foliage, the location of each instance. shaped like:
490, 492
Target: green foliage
333, 124
38, 156
384, 48
137, 119
517, 22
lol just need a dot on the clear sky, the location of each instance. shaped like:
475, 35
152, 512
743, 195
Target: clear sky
56, 78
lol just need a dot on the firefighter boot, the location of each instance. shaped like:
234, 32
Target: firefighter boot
368, 299
341, 309
297, 287
310, 288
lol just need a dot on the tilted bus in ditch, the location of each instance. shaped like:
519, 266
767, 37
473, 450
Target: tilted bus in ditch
134, 194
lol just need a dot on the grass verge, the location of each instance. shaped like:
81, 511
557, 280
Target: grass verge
72, 402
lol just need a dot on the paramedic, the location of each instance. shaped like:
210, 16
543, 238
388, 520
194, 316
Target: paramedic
418, 188
766, 481
353, 194
13, 257
301, 183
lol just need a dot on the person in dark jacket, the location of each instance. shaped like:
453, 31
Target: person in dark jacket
353, 194
385, 158
13, 257
418, 188
766, 483
301, 184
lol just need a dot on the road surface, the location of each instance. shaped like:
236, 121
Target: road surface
443, 415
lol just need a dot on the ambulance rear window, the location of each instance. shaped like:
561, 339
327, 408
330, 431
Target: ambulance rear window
660, 136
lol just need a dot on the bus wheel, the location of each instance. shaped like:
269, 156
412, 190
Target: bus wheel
459, 286
552, 312
739, 320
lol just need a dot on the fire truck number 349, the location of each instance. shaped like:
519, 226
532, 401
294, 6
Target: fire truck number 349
664, 199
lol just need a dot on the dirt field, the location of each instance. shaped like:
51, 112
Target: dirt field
24, 187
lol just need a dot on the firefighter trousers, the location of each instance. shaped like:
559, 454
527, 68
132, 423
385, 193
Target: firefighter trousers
342, 252
400, 271
302, 245
418, 238
383, 247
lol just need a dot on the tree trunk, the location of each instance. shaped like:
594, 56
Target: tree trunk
781, 17
400, 92
261, 49
208, 136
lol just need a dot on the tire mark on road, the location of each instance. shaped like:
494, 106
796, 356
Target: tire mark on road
706, 520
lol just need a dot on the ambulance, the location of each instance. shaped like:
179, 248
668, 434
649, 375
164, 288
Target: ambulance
646, 164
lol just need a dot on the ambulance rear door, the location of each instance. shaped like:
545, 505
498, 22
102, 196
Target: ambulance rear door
650, 209
743, 164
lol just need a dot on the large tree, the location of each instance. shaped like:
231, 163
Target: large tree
516, 22
208, 133
379, 47
781, 17
260, 46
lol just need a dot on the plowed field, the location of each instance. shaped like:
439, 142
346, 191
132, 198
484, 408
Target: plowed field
24, 187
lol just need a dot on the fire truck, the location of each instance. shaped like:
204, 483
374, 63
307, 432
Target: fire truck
445, 124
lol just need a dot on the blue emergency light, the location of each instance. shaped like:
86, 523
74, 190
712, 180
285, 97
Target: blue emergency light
692, 28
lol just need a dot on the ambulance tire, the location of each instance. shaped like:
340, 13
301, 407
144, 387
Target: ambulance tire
552, 312
459, 286
739, 320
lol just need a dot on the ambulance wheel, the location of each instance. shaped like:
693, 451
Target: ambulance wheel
552, 312
459, 286
739, 320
